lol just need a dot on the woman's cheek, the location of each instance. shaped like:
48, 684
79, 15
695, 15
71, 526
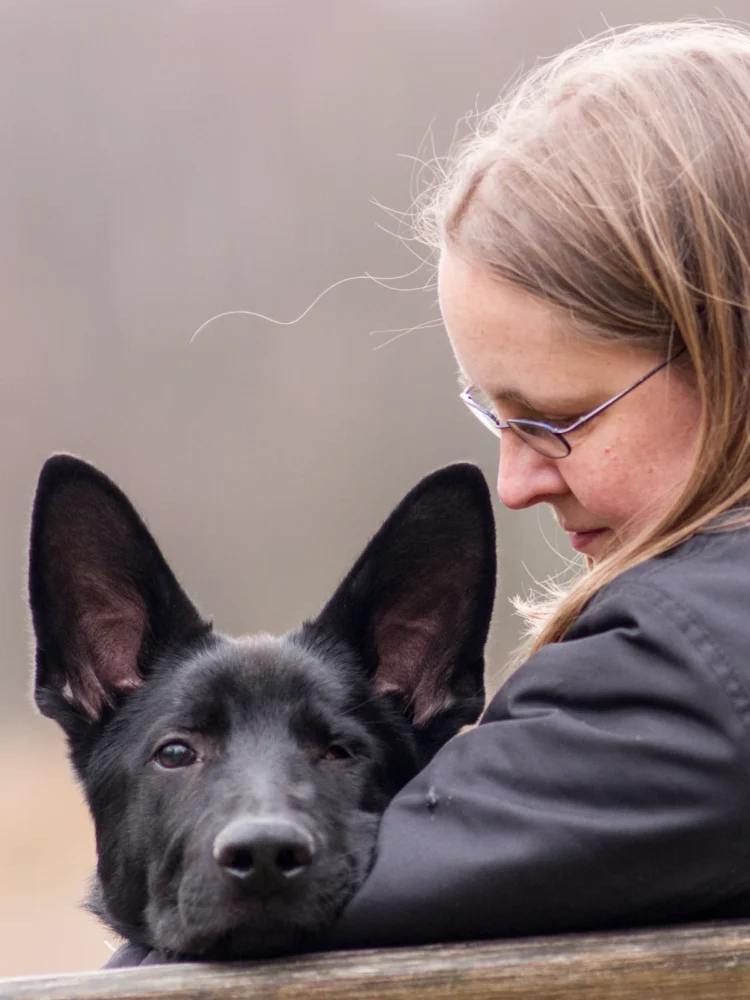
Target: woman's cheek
608, 490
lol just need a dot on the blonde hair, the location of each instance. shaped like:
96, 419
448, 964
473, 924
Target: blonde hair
614, 183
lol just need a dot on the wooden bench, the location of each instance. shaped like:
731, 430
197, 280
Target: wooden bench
700, 962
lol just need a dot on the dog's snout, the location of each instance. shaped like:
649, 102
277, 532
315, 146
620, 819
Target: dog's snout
264, 854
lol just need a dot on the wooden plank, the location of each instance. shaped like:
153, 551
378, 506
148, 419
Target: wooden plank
707, 962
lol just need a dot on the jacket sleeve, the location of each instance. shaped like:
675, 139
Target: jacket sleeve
607, 785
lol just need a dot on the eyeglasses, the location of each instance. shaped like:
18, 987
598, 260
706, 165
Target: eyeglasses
543, 438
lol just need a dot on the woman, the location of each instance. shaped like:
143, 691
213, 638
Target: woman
595, 283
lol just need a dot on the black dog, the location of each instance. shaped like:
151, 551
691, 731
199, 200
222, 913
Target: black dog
236, 785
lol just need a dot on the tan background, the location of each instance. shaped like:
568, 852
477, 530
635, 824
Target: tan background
163, 161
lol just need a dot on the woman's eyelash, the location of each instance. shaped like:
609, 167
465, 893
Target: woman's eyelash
557, 421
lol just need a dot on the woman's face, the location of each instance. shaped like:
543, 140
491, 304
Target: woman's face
626, 465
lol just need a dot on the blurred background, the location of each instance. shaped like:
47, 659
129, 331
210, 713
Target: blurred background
167, 160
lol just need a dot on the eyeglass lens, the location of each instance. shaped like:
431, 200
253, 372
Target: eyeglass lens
540, 439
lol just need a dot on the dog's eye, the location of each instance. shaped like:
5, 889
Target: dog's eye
336, 752
175, 754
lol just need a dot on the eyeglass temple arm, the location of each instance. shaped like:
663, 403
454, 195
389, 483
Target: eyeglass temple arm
589, 416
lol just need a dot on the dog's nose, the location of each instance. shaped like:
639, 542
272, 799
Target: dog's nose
264, 854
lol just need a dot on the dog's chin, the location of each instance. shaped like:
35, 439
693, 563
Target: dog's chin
236, 944
227, 932
243, 943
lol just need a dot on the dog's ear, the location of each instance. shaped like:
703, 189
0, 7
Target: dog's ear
417, 604
104, 602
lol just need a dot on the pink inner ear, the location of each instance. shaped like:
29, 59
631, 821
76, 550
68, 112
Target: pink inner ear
412, 663
111, 630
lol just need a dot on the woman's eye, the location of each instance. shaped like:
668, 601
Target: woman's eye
175, 754
336, 752
558, 423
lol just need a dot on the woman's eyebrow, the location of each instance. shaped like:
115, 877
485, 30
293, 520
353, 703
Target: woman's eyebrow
506, 395
559, 405
521, 399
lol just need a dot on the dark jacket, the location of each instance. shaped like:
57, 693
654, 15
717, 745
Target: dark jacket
607, 785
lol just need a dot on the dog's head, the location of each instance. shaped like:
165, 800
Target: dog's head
236, 785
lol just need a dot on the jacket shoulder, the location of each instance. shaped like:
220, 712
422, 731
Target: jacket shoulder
699, 566
689, 608
707, 578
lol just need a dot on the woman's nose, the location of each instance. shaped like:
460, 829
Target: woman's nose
524, 476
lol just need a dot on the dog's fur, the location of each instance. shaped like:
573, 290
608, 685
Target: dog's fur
236, 785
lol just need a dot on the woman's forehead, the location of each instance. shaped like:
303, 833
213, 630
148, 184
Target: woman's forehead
519, 348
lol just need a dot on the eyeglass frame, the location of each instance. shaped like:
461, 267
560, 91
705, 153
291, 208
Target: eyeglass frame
488, 418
